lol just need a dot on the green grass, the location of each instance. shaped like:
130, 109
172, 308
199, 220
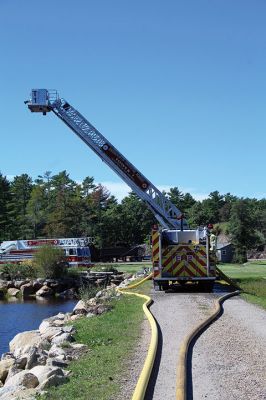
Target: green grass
251, 277
111, 338
130, 268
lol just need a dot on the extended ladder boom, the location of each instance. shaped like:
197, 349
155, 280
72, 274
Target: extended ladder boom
43, 100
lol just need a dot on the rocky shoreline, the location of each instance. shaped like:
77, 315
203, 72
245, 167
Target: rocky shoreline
38, 359
65, 288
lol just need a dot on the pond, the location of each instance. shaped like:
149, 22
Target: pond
25, 315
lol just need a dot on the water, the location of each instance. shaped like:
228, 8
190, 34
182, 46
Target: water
25, 315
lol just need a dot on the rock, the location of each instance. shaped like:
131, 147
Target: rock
64, 337
68, 294
45, 291
43, 372
49, 282
6, 393
51, 332
74, 317
1, 384
37, 285
92, 301
21, 362
23, 341
7, 355
3, 285
13, 292
2, 293
90, 314
58, 323
12, 371
32, 357
19, 283
54, 380
56, 351
99, 294
27, 290
10, 284
56, 362
69, 329
23, 378
80, 308
44, 325
4, 368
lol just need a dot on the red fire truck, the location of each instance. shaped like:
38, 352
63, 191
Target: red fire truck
77, 250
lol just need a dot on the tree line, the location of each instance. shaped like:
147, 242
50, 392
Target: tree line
57, 206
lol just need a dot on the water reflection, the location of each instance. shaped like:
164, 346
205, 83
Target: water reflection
18, 315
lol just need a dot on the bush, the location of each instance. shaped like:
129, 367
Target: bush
88, 292
22, 270
50, 262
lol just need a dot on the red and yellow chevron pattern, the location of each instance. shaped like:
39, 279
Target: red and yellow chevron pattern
184, 261
155, 252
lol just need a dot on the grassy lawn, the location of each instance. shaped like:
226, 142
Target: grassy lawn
111, 338
251, 277
131, 268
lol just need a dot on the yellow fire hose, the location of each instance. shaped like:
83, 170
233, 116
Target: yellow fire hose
181, 385
144, 377
226, 278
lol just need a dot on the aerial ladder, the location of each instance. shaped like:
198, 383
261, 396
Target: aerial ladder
179, 254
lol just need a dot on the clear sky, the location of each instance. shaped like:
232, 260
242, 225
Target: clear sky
179, 87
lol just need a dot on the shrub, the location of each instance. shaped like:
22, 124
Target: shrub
88, 292
22, 270
50, 262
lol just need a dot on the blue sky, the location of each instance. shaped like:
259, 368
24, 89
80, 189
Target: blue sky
178, 87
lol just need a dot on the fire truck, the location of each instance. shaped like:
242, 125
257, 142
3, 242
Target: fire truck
76, 250
179, 254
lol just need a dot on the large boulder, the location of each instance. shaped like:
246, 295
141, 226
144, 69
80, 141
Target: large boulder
51, 332
45, 291
60, 339
19, 283
23, 341
13, 292
4, 368
23, 378
56, 351
80, 308
43, 372
54, 380
12, 371
45, 324
27, 290
32, 357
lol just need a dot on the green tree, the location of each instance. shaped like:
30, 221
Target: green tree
5, 197
60, 212
136, 220
20, 189
176, 197
242, 229
36, 210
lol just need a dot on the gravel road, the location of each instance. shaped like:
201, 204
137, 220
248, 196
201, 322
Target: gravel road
228, 359
233, 364
227, 362
176, 314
